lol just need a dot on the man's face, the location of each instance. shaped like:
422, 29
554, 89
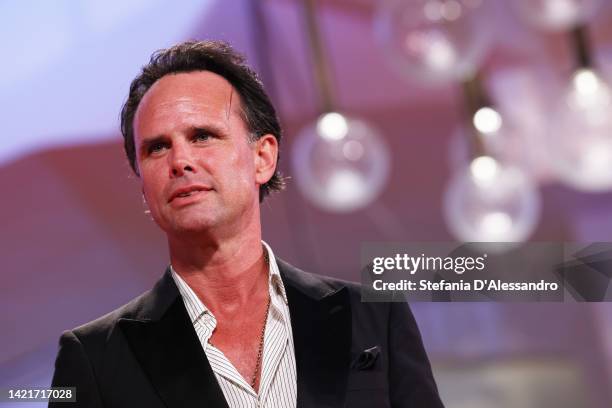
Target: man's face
198, 169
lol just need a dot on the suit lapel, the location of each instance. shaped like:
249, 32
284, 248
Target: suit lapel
321, 324
165, 344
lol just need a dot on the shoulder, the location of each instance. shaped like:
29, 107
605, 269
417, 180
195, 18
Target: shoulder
314, 283
322, 286
83, 349
94, 336
150, 305
98, 334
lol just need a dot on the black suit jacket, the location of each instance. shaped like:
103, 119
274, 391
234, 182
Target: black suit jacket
348, 353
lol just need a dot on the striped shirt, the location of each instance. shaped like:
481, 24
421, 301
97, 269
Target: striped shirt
277, 386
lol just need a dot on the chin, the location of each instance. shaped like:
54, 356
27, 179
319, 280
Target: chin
192, 224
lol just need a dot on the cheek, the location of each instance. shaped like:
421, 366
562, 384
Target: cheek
239, 166
151, 187
248, 166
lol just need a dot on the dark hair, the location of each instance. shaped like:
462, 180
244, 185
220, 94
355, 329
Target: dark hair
220, 58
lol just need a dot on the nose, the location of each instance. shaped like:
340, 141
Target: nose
181, 160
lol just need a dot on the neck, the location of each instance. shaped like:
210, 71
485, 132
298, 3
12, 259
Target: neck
226, 273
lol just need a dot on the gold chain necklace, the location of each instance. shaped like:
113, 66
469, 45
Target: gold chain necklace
263, 328
261, 346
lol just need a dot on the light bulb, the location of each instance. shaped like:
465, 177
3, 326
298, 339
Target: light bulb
484, 170
332, 126
434, 40
340, 163
487, 120
586, 82
580, 134
556, 15
490, 202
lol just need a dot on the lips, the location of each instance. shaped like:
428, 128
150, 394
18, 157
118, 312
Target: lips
187, 192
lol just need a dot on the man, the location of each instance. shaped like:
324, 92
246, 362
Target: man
229, 324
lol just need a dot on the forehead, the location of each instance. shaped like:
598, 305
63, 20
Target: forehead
187, 99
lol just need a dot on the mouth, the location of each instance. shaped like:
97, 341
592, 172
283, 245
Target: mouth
185, 193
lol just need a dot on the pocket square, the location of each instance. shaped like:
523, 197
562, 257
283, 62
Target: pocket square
366, 358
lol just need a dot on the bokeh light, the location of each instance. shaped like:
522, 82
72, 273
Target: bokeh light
556, 15
340, 163
580, 134
491, 202
435, 40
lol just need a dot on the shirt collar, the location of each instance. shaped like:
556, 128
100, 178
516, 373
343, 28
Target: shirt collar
195, 307
193, 304
275, 280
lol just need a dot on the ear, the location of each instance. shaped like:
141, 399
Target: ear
266, 157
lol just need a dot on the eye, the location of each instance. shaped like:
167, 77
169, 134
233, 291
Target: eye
201, 135
156, 147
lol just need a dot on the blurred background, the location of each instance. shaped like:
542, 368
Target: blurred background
413, 120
